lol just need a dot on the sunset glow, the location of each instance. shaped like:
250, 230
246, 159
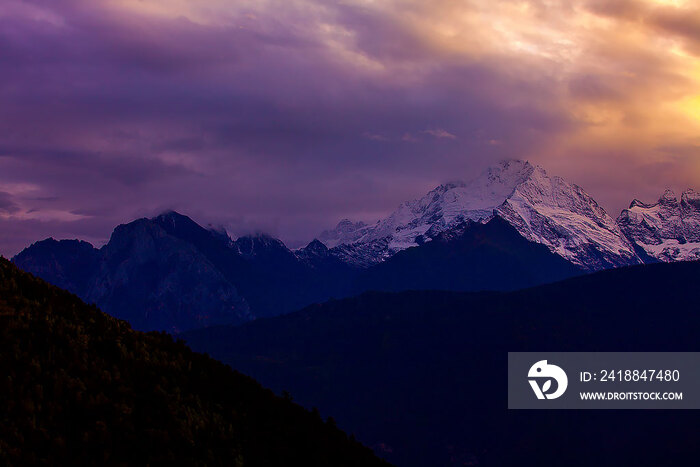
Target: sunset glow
289, 115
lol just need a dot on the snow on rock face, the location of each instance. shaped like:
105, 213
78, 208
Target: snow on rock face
545, 210
418, 221
568, 220
668, 230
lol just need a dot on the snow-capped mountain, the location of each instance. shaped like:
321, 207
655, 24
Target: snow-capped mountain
668, 230
543, 209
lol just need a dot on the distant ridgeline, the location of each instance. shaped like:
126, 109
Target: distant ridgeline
168, 273
82, 388
512, 227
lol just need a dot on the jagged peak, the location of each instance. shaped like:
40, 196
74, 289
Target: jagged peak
691, 198
666, 230
669, 196
636, 203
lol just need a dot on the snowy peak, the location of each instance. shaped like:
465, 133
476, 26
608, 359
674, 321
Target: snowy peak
445, 206
568, 220
448, 205
668, 230
544, 209
500, 181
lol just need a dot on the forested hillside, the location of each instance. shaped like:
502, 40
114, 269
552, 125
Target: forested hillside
82, 388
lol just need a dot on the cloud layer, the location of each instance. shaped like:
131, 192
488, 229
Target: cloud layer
286, 116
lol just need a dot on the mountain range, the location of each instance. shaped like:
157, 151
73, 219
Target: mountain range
169, 273
543, 209
668, 230
514, 226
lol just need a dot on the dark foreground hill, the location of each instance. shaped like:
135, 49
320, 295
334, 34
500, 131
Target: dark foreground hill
421, 376
81, 388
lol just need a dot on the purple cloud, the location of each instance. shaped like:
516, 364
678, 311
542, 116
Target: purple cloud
287, 116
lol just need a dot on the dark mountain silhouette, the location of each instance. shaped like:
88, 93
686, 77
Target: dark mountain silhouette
421, 376
157, 280
82, 388
169, 273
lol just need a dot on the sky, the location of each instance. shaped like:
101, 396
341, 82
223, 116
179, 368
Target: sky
287, 116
